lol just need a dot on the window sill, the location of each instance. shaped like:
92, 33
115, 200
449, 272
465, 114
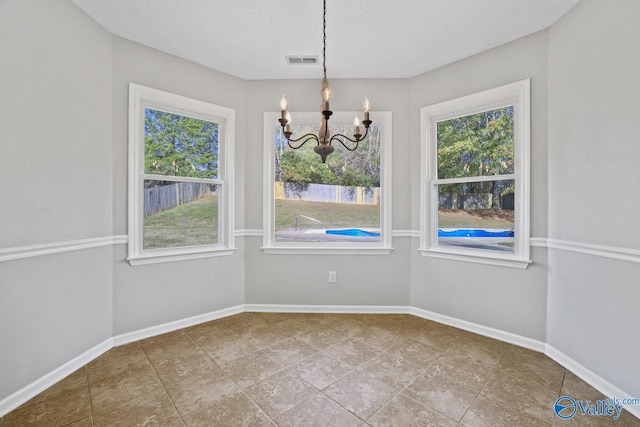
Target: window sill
307, 250
172, 257
500, 261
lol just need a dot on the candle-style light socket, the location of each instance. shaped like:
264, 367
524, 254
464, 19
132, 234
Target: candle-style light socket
366, 122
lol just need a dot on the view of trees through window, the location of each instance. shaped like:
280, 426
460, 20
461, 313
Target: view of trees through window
336, 201
475, 183
180, 195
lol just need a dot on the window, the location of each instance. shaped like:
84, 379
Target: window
341, 206
475, 169
180, 189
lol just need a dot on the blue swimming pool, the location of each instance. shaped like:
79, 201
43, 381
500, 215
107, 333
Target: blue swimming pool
474, 232
355, 232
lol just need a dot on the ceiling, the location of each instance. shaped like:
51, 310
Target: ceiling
365, 38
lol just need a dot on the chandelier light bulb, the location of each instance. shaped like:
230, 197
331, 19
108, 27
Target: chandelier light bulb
283, 103
356, 122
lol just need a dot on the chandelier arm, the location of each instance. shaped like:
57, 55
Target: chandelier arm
306, 137
338, 137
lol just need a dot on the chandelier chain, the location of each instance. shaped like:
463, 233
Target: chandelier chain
324, 39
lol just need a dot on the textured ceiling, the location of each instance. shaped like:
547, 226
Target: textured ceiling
365, 38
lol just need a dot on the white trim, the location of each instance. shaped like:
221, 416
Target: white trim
486, 331
249, 232
516, 94
23, 395
158, 259
613, 252
326, 250
153, 331
405, 233
476, 257
351, 309
19, 252
591, 378
141, 97
270, 246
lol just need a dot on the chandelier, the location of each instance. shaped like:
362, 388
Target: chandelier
324, 139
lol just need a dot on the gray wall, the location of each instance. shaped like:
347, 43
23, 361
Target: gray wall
303, 279
594, 152
507, 299
55, 134
145, 296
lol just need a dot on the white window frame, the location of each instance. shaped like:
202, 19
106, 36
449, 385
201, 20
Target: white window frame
516, 94
381, 247
140, 98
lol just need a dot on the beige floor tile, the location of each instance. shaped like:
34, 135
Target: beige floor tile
85, 422
446, 388
191, 365
406, 412
116, 390
244, 322
168, 346
317, 411
361, 394
415, 352
73, 382
378, 337
392, 370
117, 361
290, 351
252, 368
151, 409
507, 390
321, 369
233, 410
197, 393
297, 370
487, 412
61, 409
353, 352
349, 325
322, 337
531, 366
263, 337
228, 349
280, 392
439, 336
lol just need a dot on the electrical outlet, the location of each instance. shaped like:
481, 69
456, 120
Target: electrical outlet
332, 277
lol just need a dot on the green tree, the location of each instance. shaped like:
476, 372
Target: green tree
477, 145
180, 146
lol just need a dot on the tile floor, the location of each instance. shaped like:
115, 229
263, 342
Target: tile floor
274, 369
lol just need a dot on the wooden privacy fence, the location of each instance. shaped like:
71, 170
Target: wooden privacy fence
163, 197
327, 193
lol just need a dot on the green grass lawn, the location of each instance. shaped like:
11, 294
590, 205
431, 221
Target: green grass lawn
332, 215
194, 223
476, 218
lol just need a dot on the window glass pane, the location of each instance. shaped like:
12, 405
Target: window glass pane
179, 214
338, 201
176, 145
477, 145
477, 215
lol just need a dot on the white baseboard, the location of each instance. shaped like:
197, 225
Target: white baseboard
23, 395
141, 334
509, 337
293, 308
591, 378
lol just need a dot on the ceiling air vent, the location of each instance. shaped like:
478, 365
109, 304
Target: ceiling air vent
302, 59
